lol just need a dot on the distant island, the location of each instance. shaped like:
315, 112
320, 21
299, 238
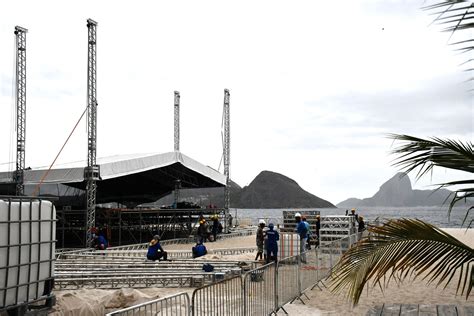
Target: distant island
268, 190
398, 192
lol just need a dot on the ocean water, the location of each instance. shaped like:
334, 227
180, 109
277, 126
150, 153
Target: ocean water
435, 215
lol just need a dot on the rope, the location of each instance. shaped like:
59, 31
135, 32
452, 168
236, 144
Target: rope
52, 164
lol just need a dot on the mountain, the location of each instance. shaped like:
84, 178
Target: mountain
267, 190
398, 192
274, 190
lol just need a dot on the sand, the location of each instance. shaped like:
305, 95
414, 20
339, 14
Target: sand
321, 302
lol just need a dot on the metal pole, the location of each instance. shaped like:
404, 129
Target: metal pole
20, 36
92, 171
226, 158
176, 120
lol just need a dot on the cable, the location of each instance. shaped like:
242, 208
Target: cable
52, 164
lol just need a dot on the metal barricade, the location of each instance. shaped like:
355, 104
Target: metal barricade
310, 271
287, 280
221, 298
176, 305
260, 290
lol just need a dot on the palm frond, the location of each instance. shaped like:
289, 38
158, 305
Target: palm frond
456, 15
401, 248
424, 155
428, 153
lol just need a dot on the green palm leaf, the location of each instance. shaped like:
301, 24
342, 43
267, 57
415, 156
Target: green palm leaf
425, 154
428, 153
455, 16
400, 248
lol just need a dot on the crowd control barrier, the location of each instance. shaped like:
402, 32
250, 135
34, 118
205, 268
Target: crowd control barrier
176, 305
221, 298
260, 290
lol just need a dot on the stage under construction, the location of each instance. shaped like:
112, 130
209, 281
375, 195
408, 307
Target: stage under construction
83, 191
132, 226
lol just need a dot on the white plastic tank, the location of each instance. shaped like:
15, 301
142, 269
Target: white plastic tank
27, 250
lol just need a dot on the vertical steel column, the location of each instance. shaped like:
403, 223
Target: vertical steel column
177, 188
91, 172
176, 120
226, 157
20, 36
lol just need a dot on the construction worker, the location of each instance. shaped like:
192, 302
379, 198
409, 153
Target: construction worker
155, 251
100, 242
303, 233
216, 226
272, 245
308, 234
361, 224
356, 219
260, 239
318, 227
202, 231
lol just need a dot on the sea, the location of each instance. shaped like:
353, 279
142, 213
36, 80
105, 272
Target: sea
435, 215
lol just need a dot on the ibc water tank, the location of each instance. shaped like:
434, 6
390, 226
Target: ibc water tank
27, 250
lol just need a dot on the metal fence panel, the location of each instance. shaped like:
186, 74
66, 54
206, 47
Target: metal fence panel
221, 298
287, 280
176, 305
310, 271
260, 290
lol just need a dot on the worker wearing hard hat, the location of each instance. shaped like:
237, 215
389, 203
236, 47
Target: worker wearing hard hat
356, 218
202, 231
260, 239
272, 245
302, 231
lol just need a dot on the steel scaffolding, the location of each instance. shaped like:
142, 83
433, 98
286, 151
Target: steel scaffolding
91, 172
226, 156
176, 120
20, 35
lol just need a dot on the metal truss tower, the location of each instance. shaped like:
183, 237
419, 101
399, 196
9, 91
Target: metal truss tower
92, 171
176, 120
226, 155
20, 35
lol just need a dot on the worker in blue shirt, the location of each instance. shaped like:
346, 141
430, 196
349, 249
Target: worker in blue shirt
272, 245
100, 242
155, 251
303, 233
308, 232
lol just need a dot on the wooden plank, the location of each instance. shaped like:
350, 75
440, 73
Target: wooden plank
391, 309
427, 310
447, 310
466, 310
375, 311
409, 310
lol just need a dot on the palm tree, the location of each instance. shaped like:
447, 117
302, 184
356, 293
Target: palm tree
405, 247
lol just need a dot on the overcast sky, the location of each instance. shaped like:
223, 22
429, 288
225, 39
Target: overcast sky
315, 85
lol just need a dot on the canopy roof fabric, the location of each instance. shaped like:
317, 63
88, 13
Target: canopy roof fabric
128, 179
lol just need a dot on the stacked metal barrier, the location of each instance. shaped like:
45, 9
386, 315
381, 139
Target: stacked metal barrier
335, 227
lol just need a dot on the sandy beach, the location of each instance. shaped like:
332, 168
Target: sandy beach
321, 302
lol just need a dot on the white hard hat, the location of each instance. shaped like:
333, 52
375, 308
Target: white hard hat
297, 215
261, 221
